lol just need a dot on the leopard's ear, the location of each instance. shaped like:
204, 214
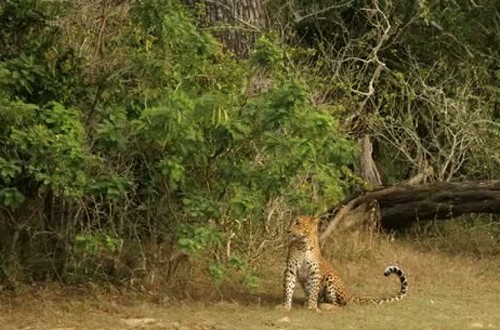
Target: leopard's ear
315, 219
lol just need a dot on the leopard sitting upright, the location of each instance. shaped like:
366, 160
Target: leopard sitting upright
317, 276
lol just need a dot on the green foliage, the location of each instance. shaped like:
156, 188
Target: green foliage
236, 268
53, 149
195, 239
11, 197
17, 20
169, 25
91, 245
266, 53
9, 169
249, 278
94, 254
112, 186
40, 67
154, 132
197, 206
217, 273
111, 131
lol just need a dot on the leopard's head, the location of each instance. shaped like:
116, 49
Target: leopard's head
303, 227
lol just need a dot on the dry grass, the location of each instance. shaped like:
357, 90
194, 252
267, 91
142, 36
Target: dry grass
447, 291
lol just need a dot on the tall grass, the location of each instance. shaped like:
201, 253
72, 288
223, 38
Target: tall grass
470, 235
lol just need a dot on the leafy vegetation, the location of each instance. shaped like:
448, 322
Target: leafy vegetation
162, 139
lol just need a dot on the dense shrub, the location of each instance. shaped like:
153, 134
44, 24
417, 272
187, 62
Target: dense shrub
166, 138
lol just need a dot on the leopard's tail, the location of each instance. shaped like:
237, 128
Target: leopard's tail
403, 291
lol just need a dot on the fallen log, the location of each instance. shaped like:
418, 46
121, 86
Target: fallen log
398, 207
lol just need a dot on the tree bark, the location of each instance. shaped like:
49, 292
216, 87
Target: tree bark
368, 168
236, 22
398, 207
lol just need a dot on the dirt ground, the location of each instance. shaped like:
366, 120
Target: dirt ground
446, 292
455, 310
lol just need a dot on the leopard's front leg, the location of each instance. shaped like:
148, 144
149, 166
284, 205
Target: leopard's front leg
313, 284
289, 281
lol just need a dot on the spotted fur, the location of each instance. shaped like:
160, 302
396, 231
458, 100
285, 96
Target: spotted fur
317, 276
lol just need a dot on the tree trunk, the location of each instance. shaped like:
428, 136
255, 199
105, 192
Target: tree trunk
400, 206
236, 22
368, 168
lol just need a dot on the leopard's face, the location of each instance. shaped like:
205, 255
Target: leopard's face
303, 227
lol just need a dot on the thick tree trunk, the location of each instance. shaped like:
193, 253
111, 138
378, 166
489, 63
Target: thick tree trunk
236, 22
399, 206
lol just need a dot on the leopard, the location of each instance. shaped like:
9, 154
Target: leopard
317, 276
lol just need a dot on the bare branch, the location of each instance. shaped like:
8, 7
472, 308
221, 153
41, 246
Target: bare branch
297, 20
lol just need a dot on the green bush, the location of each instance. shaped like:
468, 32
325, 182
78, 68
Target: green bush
163, 138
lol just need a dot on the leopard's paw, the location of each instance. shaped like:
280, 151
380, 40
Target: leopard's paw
284, 307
